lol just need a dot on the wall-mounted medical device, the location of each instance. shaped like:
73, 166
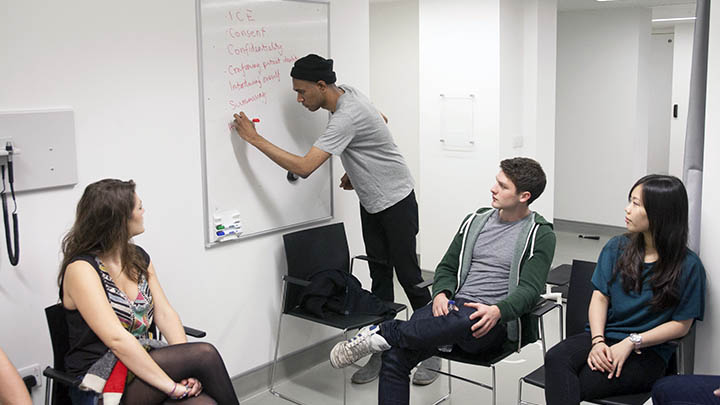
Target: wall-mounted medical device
37, 151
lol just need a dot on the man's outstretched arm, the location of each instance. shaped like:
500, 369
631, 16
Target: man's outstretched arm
303, 166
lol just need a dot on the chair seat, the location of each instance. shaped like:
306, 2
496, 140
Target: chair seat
482, 359
635, 399
536, 378
396, 307
353, 321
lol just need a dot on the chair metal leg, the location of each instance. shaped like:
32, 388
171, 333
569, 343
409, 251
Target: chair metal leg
275, 359
560, 318
467, 380
542, 336
277, 348
282, 396
520, 381
345, 379
494, 394
274, 368
520, 400
449, 376
48, 389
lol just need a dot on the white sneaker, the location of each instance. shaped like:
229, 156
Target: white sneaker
366, 342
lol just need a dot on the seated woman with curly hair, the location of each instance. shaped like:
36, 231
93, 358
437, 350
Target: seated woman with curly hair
111, 294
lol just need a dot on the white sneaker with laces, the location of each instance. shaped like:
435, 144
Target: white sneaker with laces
367, 341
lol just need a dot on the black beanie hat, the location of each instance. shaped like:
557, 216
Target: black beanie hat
314, 68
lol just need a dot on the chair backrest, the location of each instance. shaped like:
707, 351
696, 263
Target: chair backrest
579, 293
57, 325
312, 250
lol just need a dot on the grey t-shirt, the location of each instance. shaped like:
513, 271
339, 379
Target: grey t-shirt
376, 169
487, 280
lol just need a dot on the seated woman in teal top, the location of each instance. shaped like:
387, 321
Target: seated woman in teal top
649, 289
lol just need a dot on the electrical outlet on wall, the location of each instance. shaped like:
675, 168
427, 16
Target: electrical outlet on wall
33, 370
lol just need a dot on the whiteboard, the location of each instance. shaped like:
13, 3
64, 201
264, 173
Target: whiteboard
245, 52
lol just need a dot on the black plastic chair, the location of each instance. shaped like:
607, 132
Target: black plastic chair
578, 300
558, 280
490, 359
57, 394
308, 252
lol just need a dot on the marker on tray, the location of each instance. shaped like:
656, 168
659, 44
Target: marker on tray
228, 232
234, 224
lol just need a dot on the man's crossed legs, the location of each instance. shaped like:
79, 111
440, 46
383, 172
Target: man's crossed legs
406, 343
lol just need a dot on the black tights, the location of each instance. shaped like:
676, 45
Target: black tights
197, 360
568, 379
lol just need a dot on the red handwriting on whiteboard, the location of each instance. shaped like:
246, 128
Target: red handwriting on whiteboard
236, 85
237, 104
246, 33
275, 76
251, 48
241, 15
233, 70
271, 62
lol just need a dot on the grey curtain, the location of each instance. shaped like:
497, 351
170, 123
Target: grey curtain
695, 135
694, 146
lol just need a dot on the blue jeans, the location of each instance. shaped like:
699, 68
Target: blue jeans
417, 339
686, 390
79, 397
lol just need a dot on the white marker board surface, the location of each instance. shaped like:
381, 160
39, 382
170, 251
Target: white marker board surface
246, 50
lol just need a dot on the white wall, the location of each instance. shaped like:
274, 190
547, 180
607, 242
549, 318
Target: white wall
707, 356
456, 62
601, 138
528, 43
682, 62
660, 108
504, 54
129, 71
394, 73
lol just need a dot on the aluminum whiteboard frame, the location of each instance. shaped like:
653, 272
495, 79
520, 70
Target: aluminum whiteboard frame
203, 155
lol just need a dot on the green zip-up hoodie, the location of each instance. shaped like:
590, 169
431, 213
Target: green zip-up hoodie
528, 270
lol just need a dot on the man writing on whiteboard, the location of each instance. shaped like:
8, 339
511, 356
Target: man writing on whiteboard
375, 169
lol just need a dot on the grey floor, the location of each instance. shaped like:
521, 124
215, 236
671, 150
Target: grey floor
324, 385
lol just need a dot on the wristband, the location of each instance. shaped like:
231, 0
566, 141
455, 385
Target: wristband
170, 394
599, 341
597, 336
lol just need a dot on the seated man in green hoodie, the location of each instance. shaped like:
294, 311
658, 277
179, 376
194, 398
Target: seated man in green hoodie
494, 272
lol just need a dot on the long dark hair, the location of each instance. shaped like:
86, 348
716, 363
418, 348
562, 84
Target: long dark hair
666, 204
101, 226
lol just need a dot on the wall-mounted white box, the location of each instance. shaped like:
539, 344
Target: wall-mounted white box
46, 140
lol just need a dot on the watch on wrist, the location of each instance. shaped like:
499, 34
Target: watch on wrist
636, 340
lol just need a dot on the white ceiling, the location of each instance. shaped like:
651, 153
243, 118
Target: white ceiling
564, 5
